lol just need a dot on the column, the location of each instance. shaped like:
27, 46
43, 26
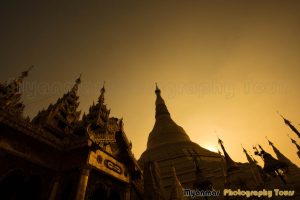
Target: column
53, 194
82, 184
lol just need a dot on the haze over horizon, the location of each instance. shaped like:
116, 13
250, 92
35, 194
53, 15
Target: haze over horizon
224, 67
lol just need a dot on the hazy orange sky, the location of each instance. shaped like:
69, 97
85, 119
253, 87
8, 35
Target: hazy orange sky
224, 67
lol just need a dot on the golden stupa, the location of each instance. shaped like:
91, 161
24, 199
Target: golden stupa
169, 145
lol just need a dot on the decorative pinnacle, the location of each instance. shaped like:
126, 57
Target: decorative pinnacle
293, 141
78, 80
244, 149
219, 152
157, 90
285, 120
220, 141
270, 143
102, 91
25, 73
103, 88
261, 148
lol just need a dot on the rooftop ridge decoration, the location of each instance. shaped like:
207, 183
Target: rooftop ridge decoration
10, 96
61, 117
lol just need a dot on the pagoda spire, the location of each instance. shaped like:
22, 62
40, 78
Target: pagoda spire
165, 130
235, 177
289, 124
98, 113
97, 118
230, 164
161, 108
77, 83
152, 182
177, 190
223, 163
61, 117
272, 166
101, 97
10, 96
249, 158
255, 168
279, 155
295, 143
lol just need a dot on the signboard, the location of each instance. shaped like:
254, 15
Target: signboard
108, 165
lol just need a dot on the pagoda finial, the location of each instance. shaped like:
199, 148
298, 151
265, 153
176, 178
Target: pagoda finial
245, 151
296, 144
293, 141
249, 158
261, 148
230, 164
102, 91
161, 108
289, 124
157, 90
77, 82
24, 74
10, 96
270, 143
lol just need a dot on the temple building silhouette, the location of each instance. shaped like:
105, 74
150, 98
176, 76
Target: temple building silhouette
61, 155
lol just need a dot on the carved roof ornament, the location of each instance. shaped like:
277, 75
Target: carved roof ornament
98, 113
63, 115
161, 108
100, 127
230, 164
289, 124
10, 96
272, 166
295, 143
101, 97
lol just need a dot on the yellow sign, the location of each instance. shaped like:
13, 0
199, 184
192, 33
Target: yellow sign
108, 165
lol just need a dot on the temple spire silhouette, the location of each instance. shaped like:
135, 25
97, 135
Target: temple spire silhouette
160, 106
289, 124
255, 168
230, 164
10, 95
61, 117
296, 144
176, 188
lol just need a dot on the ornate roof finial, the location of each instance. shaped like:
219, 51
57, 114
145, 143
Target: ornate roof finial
289, 124
245, 151
157, 90
23, 75
103, 87
261, 148
230, 164
161, 108
294, 141
10, 96
77, 82
270, 143
102, 91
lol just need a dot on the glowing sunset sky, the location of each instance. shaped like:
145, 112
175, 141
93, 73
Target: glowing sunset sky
224, 67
